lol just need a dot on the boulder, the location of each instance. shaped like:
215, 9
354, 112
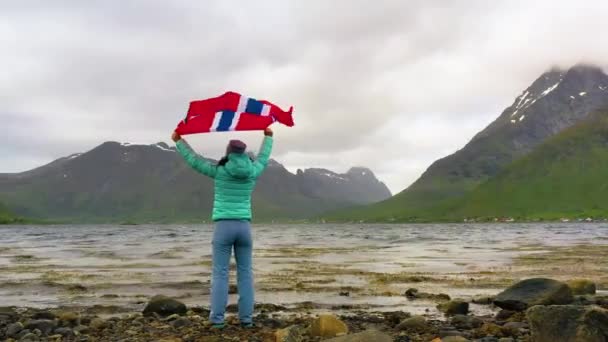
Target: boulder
535, 291
328, 326
164, 306
292, 333
414, 323
454, 307
365, 336
568, 323
582, 286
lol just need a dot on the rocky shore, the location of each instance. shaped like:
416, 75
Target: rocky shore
535, 309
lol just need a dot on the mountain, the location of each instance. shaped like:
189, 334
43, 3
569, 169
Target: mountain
126, 182
557, 100
5, 215
567, 176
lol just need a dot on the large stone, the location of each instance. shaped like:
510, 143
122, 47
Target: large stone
164, 306
535, 291
365, 336
582, 286
414, 323
454, 307
328, 326
292, 333
568, 323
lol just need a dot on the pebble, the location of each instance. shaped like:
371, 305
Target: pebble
181, 322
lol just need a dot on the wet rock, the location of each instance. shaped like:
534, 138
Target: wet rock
535, 291
292, 333
365, 336
328, 326
414, 323
46, 326
516, 326
568, 323
503, 315
181, 322
483, 300
14, 329
413, 293
65, 332
77, 288
466, 322
344, 294
164, 306
582, 286
454, 307
395, 317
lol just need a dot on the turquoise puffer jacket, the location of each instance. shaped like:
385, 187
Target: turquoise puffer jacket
234, 182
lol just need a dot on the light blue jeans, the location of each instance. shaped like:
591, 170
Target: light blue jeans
229, 234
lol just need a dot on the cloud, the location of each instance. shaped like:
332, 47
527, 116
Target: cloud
392, 85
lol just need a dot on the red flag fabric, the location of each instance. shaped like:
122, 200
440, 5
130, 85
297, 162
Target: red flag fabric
232, 112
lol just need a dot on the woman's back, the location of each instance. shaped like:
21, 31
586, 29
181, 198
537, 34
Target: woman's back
234, 178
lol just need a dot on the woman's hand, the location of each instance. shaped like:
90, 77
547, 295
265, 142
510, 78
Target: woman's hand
176, 137
268, 132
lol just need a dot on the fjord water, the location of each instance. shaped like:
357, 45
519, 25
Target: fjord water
350, 266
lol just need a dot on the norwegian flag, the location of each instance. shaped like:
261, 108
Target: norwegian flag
232, 112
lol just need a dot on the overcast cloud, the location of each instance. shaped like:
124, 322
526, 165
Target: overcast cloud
392, 85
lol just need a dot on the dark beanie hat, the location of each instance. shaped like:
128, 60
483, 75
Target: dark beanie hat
236, 146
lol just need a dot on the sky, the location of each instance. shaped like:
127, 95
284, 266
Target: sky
390, 85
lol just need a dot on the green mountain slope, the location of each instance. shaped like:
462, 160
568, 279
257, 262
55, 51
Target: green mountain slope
6, 216
556, 101
566, 176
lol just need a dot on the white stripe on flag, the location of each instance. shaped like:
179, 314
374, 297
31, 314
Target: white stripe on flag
242, 104
216, 122
235, 121
265, 110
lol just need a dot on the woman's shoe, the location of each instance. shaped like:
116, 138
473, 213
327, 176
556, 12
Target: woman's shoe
218, 326
247, 325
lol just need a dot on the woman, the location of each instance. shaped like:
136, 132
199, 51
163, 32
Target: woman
235, 177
